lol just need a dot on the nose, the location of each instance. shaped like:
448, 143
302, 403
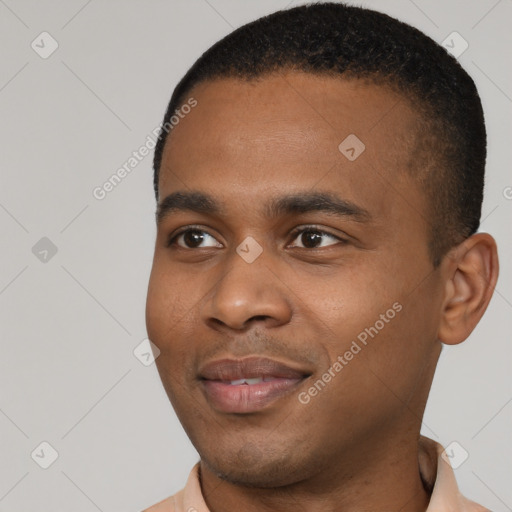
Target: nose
246, 293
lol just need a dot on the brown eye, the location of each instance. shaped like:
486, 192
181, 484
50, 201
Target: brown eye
312, 238
192, 238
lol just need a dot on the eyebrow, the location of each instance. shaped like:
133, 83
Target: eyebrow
297, 203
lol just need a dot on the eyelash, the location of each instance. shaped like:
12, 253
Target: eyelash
172, 239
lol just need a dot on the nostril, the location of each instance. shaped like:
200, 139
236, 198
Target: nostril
258, 317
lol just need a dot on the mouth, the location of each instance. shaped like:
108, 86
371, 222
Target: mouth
248, 385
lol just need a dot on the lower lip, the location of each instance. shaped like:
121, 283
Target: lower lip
246, 398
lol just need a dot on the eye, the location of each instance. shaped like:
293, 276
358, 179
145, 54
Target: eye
192, 239
311, 237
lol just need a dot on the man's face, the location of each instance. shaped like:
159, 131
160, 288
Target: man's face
324, 279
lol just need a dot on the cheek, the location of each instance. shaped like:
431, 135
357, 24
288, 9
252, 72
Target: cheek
347, 302
171, 321
159, 307
383, 334
169, 298
165, 320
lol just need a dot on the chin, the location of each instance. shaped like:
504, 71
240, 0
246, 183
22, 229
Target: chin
251, 466
269, 477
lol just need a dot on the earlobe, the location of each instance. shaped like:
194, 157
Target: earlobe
471, 275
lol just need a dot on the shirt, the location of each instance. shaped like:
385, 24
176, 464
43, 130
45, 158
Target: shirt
445, 495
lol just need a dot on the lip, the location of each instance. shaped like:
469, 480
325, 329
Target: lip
279, 380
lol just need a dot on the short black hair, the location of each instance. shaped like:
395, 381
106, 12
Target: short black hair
328, 38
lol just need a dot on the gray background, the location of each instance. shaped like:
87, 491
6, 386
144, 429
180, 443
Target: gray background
68, 327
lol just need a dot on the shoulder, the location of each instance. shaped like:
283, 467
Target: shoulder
467, 505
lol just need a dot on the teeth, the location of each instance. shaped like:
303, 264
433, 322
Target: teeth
237, 382
254, 380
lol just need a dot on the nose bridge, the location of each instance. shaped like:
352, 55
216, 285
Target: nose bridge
247, 289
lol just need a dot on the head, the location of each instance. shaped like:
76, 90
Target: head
330, 175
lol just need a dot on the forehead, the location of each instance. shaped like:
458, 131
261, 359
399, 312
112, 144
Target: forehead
304, 99
292, 131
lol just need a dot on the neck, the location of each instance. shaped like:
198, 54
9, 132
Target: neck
383, 476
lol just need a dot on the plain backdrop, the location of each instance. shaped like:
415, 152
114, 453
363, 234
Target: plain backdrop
74, 269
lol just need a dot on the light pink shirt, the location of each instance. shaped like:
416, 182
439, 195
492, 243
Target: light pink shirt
445, 495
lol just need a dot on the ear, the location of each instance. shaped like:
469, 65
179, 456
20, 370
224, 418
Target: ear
471, 272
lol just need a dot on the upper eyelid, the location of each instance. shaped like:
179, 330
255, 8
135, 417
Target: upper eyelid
313, 227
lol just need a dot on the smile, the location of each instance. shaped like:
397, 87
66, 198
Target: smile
248, 385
